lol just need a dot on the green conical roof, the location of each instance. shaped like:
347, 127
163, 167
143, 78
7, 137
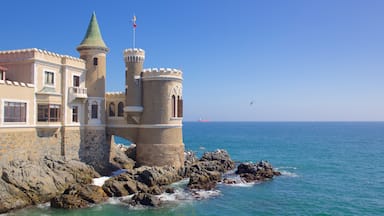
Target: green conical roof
93, 36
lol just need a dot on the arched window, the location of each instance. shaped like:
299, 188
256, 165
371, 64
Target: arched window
179, 107
120, 109
112, 109
174, 106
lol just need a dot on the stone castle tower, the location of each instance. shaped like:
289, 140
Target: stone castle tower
153, 104
95, 149
154, 107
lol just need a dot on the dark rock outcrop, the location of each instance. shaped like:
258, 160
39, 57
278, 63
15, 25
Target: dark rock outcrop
206, 172
204, 179
145, 199
79, 196
261, 171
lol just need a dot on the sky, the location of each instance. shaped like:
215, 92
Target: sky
243, 60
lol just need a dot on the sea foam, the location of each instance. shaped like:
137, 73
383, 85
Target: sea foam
100, 181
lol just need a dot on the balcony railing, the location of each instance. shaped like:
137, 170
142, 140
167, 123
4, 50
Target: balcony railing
77, 93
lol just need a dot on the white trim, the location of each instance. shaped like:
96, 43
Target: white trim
147, 126
3, 123
78, 114
133, 109
45, 71
148, 78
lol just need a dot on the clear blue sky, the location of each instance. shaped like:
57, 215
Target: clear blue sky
297, 60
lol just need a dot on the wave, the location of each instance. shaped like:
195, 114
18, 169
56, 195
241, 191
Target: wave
289, 174
100, 181
44, 205
287, 167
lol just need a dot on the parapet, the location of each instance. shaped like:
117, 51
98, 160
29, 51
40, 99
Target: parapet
162, 74
22, 54
114, 94
16, 83
134, 55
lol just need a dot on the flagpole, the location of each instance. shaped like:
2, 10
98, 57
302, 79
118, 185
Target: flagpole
134, 36
134, 30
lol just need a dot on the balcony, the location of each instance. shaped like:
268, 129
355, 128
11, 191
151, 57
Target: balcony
77, 93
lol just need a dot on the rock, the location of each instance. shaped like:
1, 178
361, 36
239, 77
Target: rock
205, 180
119, 158
24, 183
131, 151
220, 159
261, 171
169, 190
121, 185
79, 196
145, 199
159, 176
189, 158
229, 181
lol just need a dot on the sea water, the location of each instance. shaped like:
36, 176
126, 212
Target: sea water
329, 168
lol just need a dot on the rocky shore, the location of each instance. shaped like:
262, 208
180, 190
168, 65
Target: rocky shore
68, 184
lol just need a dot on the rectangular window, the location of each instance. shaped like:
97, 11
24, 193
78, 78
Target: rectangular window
179, 107
94, 111
76, 81
48, 112
15, 112
75, 114
95, 61
2, 75
49, 78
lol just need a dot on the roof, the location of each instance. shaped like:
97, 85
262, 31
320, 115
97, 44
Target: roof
93, 38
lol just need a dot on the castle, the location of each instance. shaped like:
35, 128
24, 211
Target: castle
52, 104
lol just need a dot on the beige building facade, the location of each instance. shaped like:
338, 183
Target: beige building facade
57, 105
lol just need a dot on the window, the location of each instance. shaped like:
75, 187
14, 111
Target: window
15, 112
94, 111
179, 107
76, 81
2, 75
173, 106
75, 114
120, 109
49, 78
112, 109
95, 61
48, 112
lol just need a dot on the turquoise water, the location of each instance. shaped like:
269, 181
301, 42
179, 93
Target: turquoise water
328, 169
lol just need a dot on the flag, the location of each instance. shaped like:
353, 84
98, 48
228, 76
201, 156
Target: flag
134, 21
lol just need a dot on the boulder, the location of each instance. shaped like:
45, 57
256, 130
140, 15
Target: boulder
24, 183
79, 196
204, 180
261, 171
119, 158
159, 176
145, 199
121, 185
219, 160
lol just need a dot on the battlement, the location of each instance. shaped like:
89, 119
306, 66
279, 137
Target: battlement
162, 74
16, 83
28, 53
134, 55
114, 94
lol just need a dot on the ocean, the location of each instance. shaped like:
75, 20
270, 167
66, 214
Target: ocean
329, 168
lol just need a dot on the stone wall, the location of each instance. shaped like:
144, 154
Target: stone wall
95, 150
73, 137
29, 143
88, 145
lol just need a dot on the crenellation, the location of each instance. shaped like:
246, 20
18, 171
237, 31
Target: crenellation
162, 73
148, 112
